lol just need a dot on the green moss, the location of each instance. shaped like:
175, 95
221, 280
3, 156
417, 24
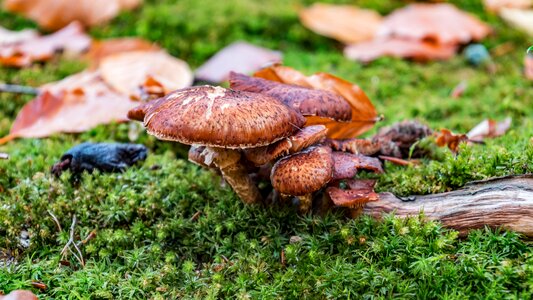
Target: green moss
149, 246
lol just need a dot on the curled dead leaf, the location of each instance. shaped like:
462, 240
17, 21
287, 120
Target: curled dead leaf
70, 40
446, 138
364, 114
55, 14
345, 23
441, 23
74, 104
489, 129
131, 72
240, 57
401, 48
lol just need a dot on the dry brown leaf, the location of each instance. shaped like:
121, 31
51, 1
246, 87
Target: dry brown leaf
489, 129
70, 40
240, 57
528, 62
345, 23
8, 37
441, 23
520, 19
100, 49
497, 5
131, 72
55, 14
401, 48
364, 114
74, 104
446, 138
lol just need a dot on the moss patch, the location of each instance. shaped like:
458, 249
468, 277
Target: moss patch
149, 246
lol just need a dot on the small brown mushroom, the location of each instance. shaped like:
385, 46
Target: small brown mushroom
224, 121
347, 164
355, 146
359, 192
302, 139
302, 174
307, 101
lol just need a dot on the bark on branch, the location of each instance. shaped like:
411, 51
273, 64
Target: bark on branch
499, 202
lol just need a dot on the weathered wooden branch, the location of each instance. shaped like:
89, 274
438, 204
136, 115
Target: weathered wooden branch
500, 202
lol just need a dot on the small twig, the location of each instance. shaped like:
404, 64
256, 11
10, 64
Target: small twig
79, 255
55, 220
18, 89
195, 216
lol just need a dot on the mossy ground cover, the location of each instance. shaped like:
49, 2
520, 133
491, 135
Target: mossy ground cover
149, 245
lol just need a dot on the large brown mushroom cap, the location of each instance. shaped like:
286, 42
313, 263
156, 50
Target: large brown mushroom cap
304, 172
307, 101
223, 118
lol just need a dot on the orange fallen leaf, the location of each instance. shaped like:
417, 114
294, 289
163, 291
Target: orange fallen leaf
345, 23
100, 49
446, 138
70, 40
74, 104
364, 114
489, 129
518, 18
441, 23
497, 5
55, 14
240, 57
131, 72
401, 48
8, 37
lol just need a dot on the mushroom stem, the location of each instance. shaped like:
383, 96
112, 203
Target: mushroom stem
306, 202
235, 174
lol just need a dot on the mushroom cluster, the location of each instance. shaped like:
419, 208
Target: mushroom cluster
256, 131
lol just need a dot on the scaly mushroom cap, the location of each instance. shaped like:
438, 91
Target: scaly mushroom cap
308, 102
219, 117
347, 164
304, 172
